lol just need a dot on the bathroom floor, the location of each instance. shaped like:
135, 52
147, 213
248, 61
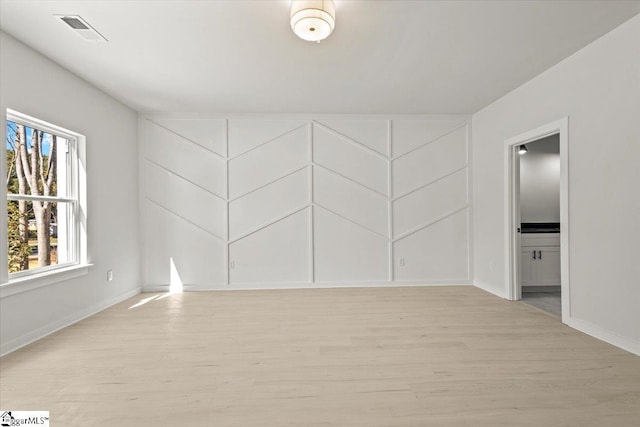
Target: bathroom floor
545, 298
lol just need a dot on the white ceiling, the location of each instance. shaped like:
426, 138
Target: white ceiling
383, 57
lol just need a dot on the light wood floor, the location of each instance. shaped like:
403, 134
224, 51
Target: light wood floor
344, 357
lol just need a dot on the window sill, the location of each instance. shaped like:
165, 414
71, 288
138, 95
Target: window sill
35, 281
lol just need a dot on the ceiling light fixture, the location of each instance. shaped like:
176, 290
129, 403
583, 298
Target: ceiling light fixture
313, 20
523, 149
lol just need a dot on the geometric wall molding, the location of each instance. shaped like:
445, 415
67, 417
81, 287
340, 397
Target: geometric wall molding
373, 134
430, 161
347, 253
438, 251
432, 201
254, 260
245, 135
410, 134
210, 134
176, 195
271, 202
350, 159
197, 255
351, 201
184, 158
268, 203
268, 162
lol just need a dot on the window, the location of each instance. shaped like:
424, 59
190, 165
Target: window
46, 218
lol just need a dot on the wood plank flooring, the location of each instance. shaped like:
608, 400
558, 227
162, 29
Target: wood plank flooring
324, 357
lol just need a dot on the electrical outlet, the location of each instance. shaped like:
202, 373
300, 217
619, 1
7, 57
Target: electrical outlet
109, 275
402, 264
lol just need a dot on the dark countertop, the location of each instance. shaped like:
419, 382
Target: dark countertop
540, 227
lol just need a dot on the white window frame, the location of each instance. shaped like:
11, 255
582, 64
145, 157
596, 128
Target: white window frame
76, 195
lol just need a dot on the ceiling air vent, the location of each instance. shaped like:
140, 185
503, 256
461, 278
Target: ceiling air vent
82, 28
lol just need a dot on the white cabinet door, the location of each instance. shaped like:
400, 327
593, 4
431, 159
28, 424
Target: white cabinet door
548, 266
540, 266
527, 267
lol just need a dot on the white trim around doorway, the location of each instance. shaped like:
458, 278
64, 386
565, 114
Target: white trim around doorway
511, 210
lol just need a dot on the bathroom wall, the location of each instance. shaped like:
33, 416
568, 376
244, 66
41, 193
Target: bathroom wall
540, 181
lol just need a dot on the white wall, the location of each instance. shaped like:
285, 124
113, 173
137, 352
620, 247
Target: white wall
540, 181
289, 201
32, 84
598, 88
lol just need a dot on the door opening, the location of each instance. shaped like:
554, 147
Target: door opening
537, 226
539, 223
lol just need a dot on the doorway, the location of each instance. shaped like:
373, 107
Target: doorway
537, 229
539, 196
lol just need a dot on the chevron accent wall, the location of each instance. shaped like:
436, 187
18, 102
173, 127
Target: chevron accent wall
260, 203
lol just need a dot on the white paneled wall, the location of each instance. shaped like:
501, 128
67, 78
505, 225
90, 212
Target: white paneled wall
281, 202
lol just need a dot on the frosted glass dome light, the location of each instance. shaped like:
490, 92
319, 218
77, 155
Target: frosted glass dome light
313, 20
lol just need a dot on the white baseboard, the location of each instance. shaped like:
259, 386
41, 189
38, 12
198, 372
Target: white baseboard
583, 326
588, 328
625, 343
39, 333
308, 285
497, 292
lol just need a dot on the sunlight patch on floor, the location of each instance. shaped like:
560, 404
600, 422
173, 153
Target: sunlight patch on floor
176, 286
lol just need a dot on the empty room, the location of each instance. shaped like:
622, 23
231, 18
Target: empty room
320, 213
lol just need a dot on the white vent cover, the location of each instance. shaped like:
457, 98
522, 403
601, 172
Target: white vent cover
82, 28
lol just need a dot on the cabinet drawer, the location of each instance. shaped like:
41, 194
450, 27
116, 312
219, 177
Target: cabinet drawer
540, 239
